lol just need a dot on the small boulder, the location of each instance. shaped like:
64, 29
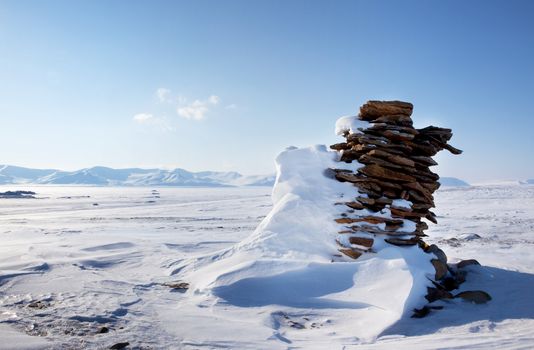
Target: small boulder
103, 330
178, 285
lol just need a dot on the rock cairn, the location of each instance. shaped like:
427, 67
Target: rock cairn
396, 189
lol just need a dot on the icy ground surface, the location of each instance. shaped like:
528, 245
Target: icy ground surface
69, 267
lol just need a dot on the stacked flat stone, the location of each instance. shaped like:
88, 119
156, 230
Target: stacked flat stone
395, 163
396, 186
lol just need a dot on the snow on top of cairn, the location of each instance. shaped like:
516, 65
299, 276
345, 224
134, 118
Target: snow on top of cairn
350, 124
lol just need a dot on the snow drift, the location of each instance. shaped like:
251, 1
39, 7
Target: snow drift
289, 264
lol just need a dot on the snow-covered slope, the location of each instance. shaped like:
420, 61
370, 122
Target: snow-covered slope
14, 174
103, 176
86, 267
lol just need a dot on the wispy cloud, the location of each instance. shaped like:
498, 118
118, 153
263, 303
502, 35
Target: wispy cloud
151, 120
143, 118
214, 99
197, 109
163, 95
231, 106
192, 110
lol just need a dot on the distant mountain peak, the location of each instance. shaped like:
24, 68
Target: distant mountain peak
452, 182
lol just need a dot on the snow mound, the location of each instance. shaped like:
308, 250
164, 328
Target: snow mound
350, 124
290, 264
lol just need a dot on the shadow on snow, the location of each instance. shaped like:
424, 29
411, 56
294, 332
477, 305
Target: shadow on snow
511, 294
301, 288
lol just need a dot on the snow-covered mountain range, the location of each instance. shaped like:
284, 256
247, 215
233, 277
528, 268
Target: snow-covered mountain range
103, 176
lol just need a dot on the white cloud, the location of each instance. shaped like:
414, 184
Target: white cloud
231, 106
198, 108
214, 99
163, 95
195, 110
143, 118
149, 119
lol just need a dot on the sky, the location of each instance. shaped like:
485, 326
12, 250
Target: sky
227, 85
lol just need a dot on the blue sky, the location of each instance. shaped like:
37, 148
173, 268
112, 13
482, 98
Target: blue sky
226, 85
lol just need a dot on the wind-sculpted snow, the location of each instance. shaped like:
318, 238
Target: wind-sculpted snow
287, 265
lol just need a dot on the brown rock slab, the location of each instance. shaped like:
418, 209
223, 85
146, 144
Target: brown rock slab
379, 128
440, 267
345, 220
425, 161
422, 148
433, 294
397, 135
380, 142
351, 253
340, 146
377, 220
369, 159
430, 186
405, 213
451, 149
374, 170
422, 206
365, 200
474, 296
349, 155
394, 158
424, 311
383, 200
440, 254
362, 241
342, 232
431, 217
416, 186
421, 226
464, 263
378, 231
355, 205
402, 242
397, 119
374, 109
349, 177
